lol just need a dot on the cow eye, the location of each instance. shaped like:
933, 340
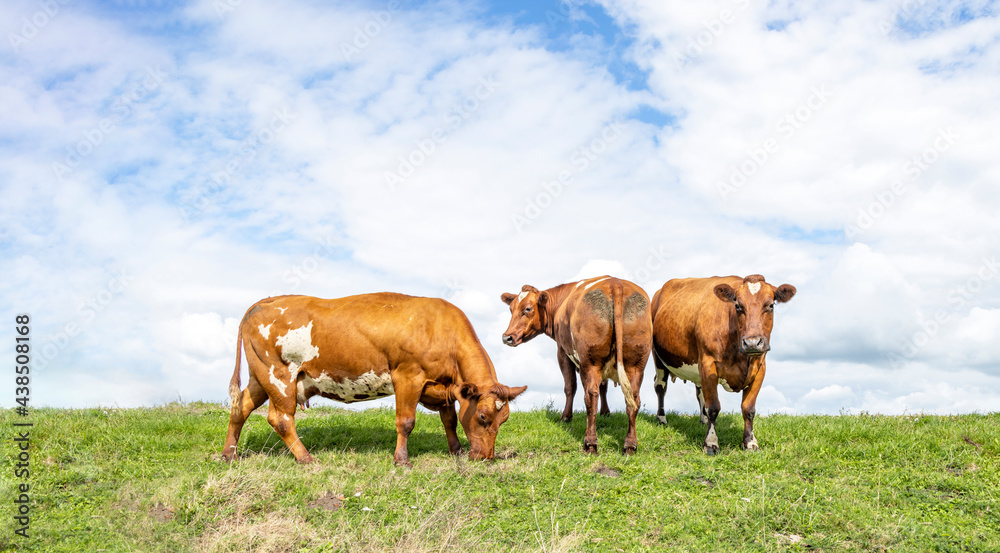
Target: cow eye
739, 308
528, 309
482, 418
770, 307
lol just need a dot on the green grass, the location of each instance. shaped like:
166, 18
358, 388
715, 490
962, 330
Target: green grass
820, 483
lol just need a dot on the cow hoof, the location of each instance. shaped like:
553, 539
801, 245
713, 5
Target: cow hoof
590, 448
605, 413
629, 450
711, 450
662, 419
406, 464
751, 447
564, 418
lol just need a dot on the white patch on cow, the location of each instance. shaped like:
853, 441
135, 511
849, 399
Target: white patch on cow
282, 309
661, 379
578, 284
752, 444
522, 295
687, 372
499, 404
575, 358
367, 386
293, 370
701, 406
725, 385
296, 345
286, 417
712, 439
610, 371
265, 331
587, 287
754, 287
277, 383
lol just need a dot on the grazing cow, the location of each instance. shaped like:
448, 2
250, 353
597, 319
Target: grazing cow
602, 328
715, 331
357, 348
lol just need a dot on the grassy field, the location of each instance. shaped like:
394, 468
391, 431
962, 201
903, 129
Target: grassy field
151, 480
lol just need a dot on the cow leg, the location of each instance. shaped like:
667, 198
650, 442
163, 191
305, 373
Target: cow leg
660, 386
748, 406
404, 379
710, 393
605, 412
252, 397
450, 421
590, 377
631, 440
700, 396
569, 385
281, 415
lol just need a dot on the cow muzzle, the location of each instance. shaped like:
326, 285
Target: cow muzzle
509, 340
754, 345
477, 455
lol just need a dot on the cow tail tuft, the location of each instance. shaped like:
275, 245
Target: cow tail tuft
618, 300
235, 395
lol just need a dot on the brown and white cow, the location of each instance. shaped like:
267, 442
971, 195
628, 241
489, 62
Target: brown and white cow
357, 348
715, 331
602, 328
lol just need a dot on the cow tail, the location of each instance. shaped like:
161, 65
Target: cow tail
235, 396
618, 302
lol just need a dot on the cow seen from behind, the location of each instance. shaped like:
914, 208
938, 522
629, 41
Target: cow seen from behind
602, 328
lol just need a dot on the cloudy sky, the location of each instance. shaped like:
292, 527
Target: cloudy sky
165, 166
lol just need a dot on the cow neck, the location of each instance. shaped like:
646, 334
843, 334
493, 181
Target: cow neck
477, 368
557, 295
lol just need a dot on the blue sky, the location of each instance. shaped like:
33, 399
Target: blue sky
166, 165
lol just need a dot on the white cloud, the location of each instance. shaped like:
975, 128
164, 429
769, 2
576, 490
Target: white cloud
834, 117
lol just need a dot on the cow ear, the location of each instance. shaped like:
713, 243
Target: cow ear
507, 297
784, 293
507, 393
469, 391
543, 298
725, 293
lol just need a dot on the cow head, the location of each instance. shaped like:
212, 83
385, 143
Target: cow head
482, 411
527, 310
753, 303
